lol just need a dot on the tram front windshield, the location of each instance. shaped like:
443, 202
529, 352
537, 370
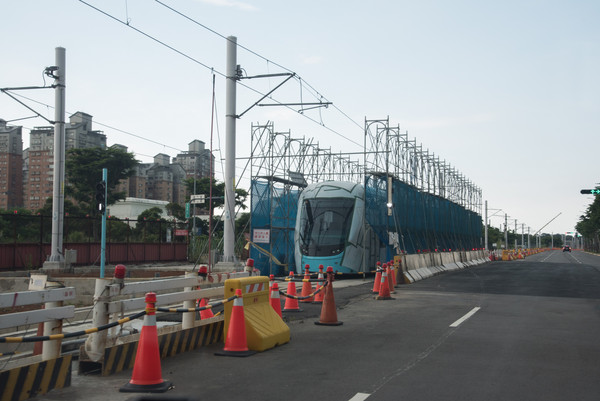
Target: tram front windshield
324, 225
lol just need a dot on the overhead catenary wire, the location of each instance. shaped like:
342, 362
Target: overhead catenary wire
127, 24
303, 82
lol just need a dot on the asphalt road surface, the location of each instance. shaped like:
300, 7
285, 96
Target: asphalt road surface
520, 330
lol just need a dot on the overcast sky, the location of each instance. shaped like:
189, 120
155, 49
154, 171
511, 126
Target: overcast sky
507, 92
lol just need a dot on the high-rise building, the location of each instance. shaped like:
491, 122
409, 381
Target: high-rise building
11, 166
196, 161
39, 167
26, 176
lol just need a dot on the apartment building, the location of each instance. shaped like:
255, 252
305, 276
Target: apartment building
26, 176
11, 166
39, 157
197, 160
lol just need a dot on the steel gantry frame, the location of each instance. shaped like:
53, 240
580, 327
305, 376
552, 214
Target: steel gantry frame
280, 157
389, 150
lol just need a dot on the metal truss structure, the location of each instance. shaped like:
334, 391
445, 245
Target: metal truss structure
389, 151
278, 157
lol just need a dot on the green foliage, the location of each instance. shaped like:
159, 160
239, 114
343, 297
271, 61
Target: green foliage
176, 210
151, 227
70, 208
589, 225
83, 168
18, 227
117, 230
242, 223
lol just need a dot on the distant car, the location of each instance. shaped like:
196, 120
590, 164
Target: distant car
566, 249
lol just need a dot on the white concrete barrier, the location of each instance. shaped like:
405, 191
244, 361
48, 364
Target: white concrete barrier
420, 266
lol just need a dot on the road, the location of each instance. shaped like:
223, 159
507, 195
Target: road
519, 330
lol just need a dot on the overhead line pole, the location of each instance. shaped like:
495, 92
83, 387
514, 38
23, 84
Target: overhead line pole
230, 123
58, 192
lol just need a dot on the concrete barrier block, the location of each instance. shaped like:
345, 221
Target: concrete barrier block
408, 278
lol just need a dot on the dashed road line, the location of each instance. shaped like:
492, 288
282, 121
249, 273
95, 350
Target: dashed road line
465, 317
360, 397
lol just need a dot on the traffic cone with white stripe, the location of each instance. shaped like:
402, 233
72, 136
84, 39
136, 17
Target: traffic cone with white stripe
384, 289
274, 299
377, 281
320, 294
390, 281
393, 270
291, 304
306, 286
147, 376
236, 343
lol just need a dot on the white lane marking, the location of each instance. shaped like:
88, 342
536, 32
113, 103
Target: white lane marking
547, 257
360, 397
465, 317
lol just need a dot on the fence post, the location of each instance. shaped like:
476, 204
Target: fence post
51, 349
188, 318
96, 343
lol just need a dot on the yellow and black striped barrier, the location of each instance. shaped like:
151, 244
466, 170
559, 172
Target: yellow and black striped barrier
35, 379
122, 356
198, 308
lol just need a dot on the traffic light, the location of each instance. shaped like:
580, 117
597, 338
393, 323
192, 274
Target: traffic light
590, 191
101, 196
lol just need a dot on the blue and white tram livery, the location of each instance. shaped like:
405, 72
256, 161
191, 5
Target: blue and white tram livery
331, 231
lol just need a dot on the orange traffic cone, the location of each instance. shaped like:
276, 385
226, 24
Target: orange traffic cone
206, 313
147, 376
306, 286
377, 281
236, 343
390, 272
328, 311
393, 271
320, 294
274, 299
291, 304
384, 289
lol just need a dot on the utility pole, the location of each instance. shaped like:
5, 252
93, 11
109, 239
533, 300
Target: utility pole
516, 234
486, 227
230, 121
505, 231
103, 232
57, 258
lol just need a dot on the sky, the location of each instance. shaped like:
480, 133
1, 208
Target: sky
508, 93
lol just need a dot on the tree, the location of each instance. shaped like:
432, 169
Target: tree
150, 225
69, 207
242, 223
218, 191
176, 210
83, 169
589, 225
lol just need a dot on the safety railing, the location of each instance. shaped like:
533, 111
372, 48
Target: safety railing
114, 299
51, 315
